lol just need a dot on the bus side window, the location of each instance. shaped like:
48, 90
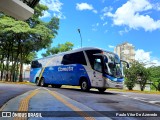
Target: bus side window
91, 57
65, 60
74, 58
36, 64
98, 65
78, 58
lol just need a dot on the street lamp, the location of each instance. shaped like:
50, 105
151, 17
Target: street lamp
80, 36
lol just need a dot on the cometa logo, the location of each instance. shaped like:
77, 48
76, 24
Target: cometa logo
65, 68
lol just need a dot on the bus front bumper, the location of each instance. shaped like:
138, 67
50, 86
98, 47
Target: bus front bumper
113, 84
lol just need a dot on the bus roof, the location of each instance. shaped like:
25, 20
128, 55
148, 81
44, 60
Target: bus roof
76, 50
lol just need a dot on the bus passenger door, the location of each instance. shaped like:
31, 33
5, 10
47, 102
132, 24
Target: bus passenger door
97, 79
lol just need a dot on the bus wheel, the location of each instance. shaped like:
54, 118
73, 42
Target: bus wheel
84, 85
101, 90
42, 83
37, 82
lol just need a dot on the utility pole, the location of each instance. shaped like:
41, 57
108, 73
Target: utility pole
80, 36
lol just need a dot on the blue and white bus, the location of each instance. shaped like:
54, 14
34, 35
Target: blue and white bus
87, 67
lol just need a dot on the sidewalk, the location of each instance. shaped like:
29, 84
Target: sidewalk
42, 104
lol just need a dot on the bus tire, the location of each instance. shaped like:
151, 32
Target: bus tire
101, 90
84, 85
37, 82
42, 83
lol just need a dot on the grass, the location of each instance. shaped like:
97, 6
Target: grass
136, 91
24, 82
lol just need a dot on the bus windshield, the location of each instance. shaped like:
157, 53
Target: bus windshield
113, 65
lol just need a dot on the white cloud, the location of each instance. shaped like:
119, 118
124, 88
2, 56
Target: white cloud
146, 58
105, 23
156, 62
111, 46
142, 56
59, 15
95, 27
107, 9
156, 6
97, 24
46, 14
95, 11
85, 6
55, 6
129, 14
124, 31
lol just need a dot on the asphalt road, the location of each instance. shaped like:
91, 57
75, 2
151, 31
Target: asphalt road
110, 101
9, 91
115, 101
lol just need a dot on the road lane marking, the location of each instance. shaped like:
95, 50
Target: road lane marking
74, 108
24, 103
143, 100
136, 98
154, 102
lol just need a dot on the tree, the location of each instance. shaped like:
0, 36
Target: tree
60, 48
155, 76
130, 78
142, 76
137, 73
65, 47
19, 39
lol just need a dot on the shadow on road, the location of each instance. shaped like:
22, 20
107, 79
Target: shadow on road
91, 91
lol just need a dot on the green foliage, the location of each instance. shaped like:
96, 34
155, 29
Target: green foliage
19, 40
60, 48
137, 73
65, 47
30, 57
38, 11
130, 78
155, 76
8, 24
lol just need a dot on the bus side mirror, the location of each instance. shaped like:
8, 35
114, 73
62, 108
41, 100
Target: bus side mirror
126, 63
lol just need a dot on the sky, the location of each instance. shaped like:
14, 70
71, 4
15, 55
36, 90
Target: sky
108, 23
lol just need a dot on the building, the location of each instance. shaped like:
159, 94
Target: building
26, 72
125, 51
19, 9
